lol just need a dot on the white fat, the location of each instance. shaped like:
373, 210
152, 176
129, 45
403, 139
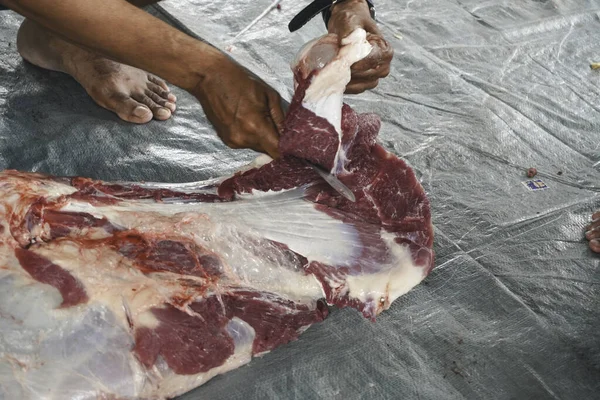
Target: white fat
325, 94
389, 283
224, 229
258, 162
147, 320
42, 187
256, 194
284, 218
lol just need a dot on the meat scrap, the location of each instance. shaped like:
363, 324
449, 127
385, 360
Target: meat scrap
147, 291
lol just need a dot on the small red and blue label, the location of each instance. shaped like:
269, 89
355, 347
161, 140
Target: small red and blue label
535, 184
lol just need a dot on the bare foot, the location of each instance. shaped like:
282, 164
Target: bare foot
593, 232
131, 93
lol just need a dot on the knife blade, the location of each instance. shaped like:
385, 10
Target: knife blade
334, 182
328, 177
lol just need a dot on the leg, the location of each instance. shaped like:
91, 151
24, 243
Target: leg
593, 233
245, 112
131, 93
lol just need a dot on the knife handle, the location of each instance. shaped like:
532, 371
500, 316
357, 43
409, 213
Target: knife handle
316, 7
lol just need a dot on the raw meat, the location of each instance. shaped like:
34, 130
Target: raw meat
121, 290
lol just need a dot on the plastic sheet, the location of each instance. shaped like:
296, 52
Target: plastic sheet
479, 92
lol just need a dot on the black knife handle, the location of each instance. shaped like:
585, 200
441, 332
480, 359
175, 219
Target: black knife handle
316, 7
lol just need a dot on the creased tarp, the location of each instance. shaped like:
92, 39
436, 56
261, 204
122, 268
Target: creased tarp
479, 92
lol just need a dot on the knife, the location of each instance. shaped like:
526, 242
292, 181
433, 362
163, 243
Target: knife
333, 181
328, 177
308, 13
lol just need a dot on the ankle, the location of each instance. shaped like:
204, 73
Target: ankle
34, 45
201, 61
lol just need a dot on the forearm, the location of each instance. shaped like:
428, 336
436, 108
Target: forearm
124, 33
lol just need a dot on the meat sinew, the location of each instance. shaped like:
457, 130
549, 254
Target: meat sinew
149, 290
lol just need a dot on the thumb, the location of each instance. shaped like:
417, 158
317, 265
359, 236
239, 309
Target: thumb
274, 125
346, 28
267, 137
270, 145
276, 111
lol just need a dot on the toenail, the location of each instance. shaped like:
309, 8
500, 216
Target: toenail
163, 112
170, 106
172, 97
141, 111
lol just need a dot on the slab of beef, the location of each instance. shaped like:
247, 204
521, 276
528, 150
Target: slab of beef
122, 290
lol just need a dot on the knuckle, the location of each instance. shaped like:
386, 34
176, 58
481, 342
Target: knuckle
388, 54
226, 138
237, 139
249, 126
384, 72
354, 89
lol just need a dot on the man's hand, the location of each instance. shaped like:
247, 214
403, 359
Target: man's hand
345, 18
245, 111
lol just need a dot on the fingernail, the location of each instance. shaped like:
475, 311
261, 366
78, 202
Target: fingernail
163, 112
141, 111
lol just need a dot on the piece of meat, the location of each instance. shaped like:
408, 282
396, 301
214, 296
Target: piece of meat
132, 290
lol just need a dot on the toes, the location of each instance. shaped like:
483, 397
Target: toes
130, 110
160, 87
593, 231
159, 82
159, 112
121, 104
160, 100
595, 225
158, 90
593, 234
